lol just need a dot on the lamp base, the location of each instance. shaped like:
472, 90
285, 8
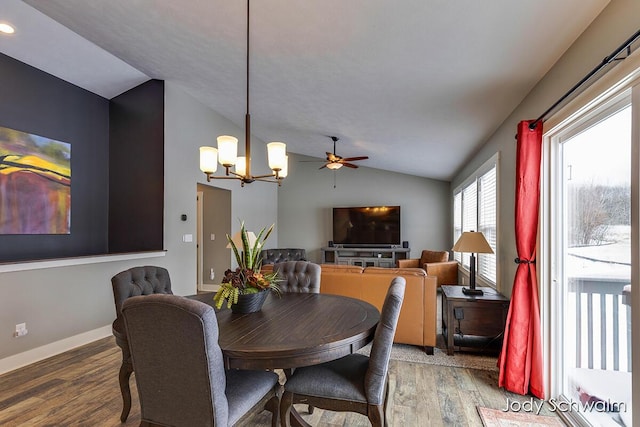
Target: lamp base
474, 291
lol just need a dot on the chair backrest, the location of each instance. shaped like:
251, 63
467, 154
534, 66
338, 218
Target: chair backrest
298, 276
433, 256
136, 281
180, 376
274, 256
376, 376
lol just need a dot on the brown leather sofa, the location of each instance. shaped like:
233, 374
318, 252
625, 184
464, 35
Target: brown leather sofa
417, 322
435, 263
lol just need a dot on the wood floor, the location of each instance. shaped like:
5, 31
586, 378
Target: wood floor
80, 388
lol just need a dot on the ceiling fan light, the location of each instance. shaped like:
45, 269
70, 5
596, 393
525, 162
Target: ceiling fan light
208, 159
334, 166
277, 152
227, 150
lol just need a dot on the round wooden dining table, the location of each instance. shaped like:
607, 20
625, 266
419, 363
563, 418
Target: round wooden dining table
294, 330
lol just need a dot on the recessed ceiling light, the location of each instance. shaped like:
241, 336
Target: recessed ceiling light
6, 28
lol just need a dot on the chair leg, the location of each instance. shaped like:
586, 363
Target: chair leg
428, 349
310, 409
125, 374
376, 415
273, 406
286, 403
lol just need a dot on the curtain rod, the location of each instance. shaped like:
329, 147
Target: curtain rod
606, 61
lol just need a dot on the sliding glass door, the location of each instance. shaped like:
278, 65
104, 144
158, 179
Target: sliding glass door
591, 265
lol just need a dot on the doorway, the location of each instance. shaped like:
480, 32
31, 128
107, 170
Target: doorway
213, 225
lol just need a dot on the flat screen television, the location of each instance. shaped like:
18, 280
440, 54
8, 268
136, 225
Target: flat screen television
366, 226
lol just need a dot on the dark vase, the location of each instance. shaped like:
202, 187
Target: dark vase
250, 303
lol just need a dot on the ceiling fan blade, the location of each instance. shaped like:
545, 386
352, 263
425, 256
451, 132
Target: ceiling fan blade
322, 167
349, 165
349, 159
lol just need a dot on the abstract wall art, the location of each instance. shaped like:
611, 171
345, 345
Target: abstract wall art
35, 184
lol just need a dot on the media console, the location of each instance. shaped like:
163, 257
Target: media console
364, 256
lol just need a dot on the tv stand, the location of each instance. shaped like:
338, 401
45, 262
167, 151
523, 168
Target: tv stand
364, 256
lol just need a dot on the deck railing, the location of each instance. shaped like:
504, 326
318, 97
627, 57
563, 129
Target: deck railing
594, 293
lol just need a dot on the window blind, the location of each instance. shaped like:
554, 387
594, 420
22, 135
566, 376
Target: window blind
469, 213
457, 222
475, 207
487, 220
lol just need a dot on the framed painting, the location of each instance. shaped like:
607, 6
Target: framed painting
35, 184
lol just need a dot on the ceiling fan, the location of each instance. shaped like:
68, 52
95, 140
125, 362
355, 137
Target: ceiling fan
335, 162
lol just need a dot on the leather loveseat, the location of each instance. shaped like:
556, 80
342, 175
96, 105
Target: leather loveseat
417, 322
435, 263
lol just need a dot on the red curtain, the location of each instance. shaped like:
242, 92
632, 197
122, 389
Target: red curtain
520, 361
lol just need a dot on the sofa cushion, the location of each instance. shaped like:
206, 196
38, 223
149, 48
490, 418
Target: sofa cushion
419, 272
337, 268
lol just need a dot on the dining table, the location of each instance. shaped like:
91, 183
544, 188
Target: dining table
293, 330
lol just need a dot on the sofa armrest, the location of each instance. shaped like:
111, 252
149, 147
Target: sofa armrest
446, 272
408, 263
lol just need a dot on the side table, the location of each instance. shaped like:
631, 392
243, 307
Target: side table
472, 316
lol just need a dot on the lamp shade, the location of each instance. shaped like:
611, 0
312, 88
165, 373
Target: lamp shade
334, 166
474, 242
208, 159
241, 165
227, 150
277, 152
285, 170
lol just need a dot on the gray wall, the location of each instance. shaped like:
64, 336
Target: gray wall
307, 196
618, 21
188, 125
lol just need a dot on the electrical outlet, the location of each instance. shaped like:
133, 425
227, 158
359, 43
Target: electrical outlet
21, 330
458, 313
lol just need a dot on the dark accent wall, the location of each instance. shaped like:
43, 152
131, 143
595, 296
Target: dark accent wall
136, 179
117, 162
36, 102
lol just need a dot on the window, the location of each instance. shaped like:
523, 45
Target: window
475, 209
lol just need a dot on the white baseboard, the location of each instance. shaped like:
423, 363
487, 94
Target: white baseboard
208, 288
37, 354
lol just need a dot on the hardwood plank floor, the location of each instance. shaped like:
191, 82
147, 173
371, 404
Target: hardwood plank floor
80, 388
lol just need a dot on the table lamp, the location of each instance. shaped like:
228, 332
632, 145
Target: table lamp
475, 243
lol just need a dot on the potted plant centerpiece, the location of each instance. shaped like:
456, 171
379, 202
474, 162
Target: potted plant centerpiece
245, 288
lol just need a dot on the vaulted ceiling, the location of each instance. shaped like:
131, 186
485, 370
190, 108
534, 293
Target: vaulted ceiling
416, 85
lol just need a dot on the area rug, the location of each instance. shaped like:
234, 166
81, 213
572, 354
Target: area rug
415, 354
499, 418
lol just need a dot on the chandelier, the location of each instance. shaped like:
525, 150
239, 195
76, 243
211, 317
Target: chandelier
227, 152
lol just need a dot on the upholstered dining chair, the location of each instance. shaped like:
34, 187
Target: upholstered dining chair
135, 281
180, 369
354, 383
298, 276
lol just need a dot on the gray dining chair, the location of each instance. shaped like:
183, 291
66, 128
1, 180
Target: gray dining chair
180, 369
146, 280
298, 276
354, 383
